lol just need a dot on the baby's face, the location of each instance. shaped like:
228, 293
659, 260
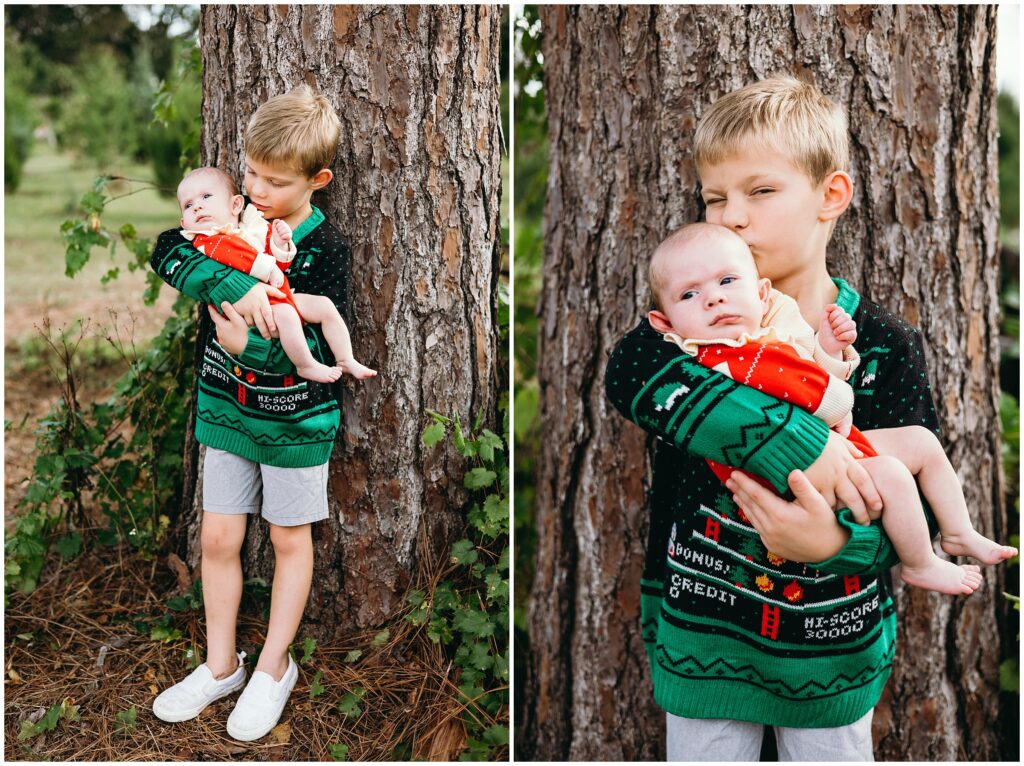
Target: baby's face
710, 289
206, 203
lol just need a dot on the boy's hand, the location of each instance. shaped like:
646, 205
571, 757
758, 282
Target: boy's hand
836, 331
805, 530
232, 331
254, 308
282, 233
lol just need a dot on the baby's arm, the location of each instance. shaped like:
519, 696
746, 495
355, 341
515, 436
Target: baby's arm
235, 252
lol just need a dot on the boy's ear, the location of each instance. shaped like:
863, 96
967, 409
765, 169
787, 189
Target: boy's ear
837, 191
322, 177
659, 321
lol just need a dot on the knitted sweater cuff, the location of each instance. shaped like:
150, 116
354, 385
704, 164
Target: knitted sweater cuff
836, 402
860, 555
807, 438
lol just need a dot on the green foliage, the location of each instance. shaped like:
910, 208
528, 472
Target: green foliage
349, 705
63, 711
531, 163
125, 721
1009, 669
468, 613
316, 688
172, 141
1009, 161
20, 115
339, 752
104, 115
129, 474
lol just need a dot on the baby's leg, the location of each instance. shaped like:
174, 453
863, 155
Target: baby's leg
318, 309
920, 451
904, 522
289, 328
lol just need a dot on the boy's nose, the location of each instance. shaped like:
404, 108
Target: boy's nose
734, 216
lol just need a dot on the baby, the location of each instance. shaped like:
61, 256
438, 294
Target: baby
210, 208
712, 304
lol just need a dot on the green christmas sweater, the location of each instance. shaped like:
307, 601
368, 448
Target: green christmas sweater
254, 405
732, 631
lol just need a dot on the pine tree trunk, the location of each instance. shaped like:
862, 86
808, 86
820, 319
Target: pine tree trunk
416, 193
625, 87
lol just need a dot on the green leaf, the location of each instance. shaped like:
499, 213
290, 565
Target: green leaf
308, 647
496, 735
70, 545
433, 434
125, 721
416, 597
473, 622
465, 448
381, 638
1009, 676
479, 478
339, 752
349, 704
315, 687
354, 655
464, 552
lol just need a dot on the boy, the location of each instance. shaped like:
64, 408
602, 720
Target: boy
268, 435
804, 648
218, 223
713, 305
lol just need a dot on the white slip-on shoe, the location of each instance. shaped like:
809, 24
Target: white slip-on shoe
259, 707
187, 698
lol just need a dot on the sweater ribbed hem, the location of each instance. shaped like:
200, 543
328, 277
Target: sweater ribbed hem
708, 676
239, 444
808, 436
742, 702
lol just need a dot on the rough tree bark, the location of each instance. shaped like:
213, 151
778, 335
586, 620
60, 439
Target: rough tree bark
416, 193
624, 88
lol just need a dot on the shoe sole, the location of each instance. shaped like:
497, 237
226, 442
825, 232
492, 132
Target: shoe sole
190, 714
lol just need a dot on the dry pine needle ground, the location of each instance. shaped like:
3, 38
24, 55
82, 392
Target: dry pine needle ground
55, 641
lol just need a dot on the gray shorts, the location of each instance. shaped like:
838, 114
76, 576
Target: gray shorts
287, 496
694, 739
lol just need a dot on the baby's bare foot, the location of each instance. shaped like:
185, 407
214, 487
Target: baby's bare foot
320, 373
943, 576
977, 546
355, 369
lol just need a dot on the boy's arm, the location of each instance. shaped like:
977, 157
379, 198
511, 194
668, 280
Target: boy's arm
190, 272
901, 396
705, 413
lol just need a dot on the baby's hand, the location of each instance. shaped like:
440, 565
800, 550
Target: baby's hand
836, 331
843, 426
282, 233
276, 278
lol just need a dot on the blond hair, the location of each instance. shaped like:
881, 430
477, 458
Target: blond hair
224, 178
680, 238
782, 112
298, 130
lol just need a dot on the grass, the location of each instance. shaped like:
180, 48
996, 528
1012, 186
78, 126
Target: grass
51, 187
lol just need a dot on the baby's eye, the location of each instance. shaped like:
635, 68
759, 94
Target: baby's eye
207, 195
687, 295
188, 205
728, 280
